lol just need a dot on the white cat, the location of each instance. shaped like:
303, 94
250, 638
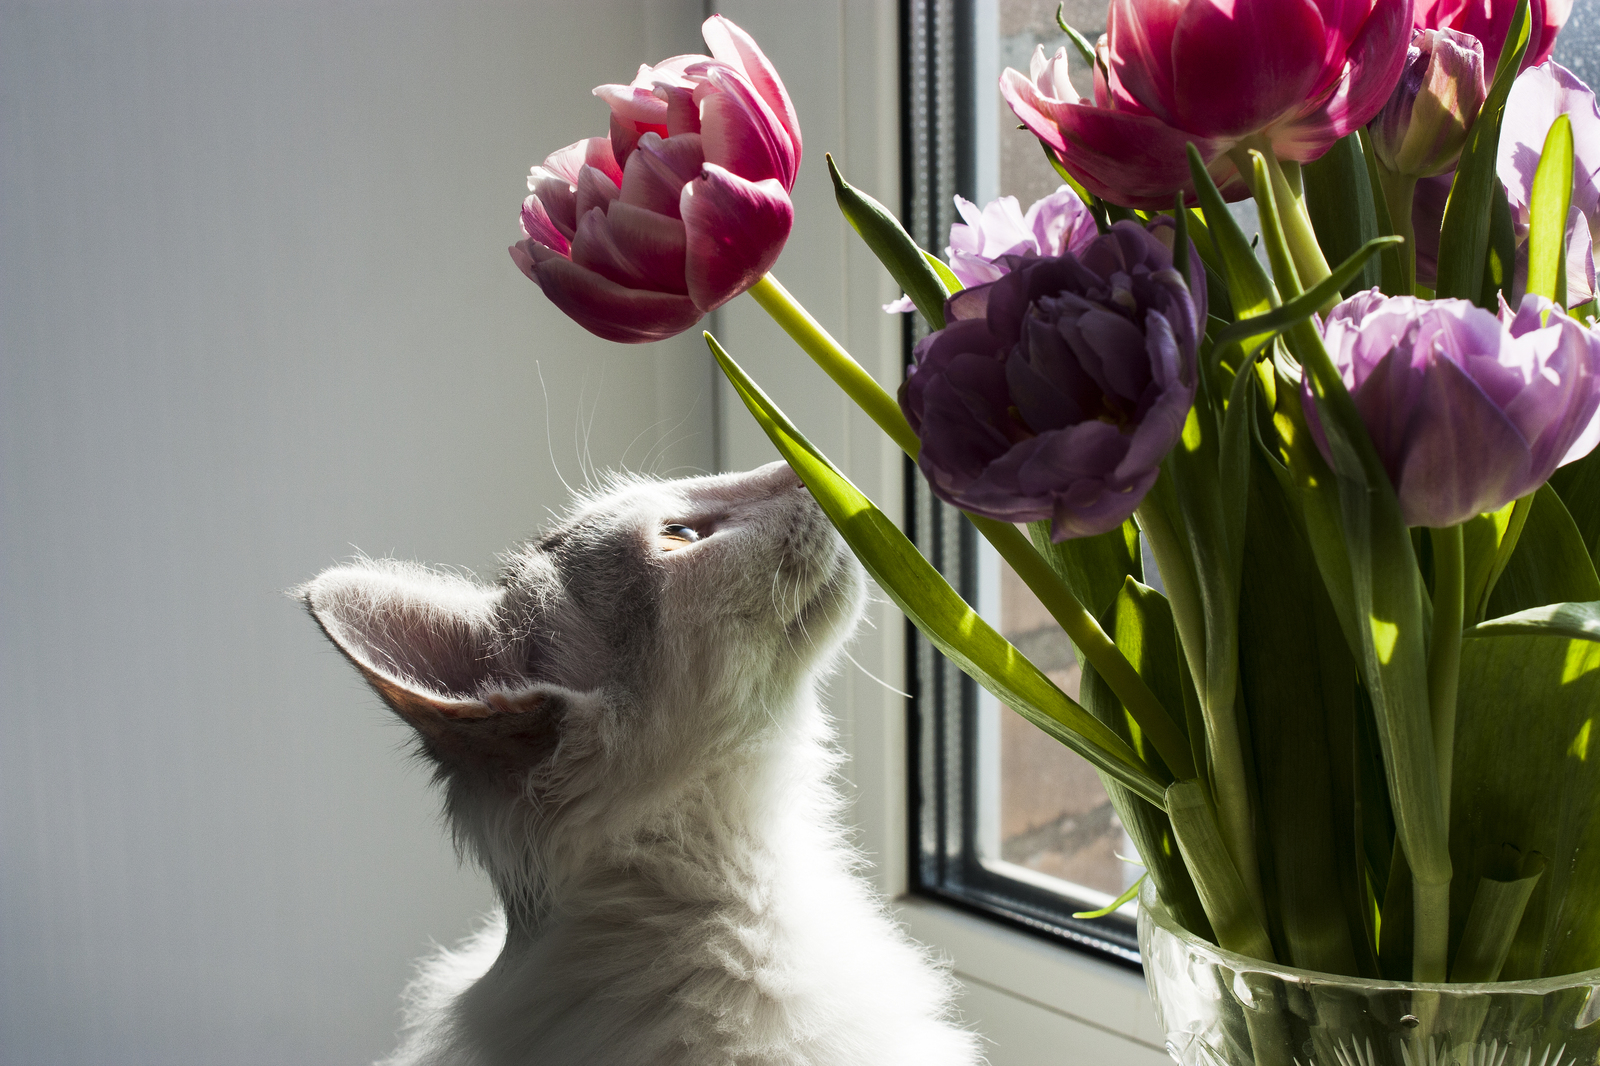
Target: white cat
627, 733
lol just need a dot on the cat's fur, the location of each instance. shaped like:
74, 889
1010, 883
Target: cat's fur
630, 744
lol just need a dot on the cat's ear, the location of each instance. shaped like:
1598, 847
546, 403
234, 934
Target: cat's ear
427, 644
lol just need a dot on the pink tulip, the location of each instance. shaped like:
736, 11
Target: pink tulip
1295, 75
682, 208
1490, 22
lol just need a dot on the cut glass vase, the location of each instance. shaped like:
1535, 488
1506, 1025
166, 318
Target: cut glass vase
1222, 1009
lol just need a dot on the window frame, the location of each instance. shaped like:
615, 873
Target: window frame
943, 43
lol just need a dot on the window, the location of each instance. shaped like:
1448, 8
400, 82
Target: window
1005, 819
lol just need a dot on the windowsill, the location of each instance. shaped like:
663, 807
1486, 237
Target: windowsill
1078, 987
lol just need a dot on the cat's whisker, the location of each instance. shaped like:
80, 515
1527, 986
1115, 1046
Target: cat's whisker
549, 442
874, 677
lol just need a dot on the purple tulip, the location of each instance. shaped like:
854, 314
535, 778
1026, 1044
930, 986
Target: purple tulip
1490, 22
1293, 74
1537, 97
682, 208
1424, 125
1056, 391
1467, 411
980, 249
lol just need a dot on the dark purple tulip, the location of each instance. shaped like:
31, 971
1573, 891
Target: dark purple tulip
1467, 411
1055, 392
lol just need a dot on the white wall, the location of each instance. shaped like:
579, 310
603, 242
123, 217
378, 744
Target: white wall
255, 313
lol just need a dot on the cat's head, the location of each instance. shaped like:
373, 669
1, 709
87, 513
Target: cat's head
661, 626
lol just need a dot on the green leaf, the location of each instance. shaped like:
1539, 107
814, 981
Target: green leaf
1391, 265
934, 607
1464, 232
1116, 904
1299, 687
1578, 485
1249, 287
1497, 910
1551, 563
1284, 273
1302, 307
1576, 621
1547, 211
1093, 568
893, 246
1222, 893
1500, 268
1141, 622
1527, 761
1488, 541
1079, 41
952, 284
1340, 201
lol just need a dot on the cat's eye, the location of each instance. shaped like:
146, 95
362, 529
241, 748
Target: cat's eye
676, 536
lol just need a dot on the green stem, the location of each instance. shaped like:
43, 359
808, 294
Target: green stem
1444, 651
848, 374
1297, 230
1430, 931
1081, 627
1398, 192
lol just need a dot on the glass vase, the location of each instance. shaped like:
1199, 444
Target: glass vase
1221, 1009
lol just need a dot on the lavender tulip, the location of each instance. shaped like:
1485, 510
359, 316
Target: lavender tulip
682, 208
1056, 391
981, 248
1295, 75
1537, 97
1424, 125
1467, 411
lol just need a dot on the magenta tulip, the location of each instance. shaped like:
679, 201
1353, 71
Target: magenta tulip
1467, 411
682, 208
1055, 392
1490, 22
1295, 75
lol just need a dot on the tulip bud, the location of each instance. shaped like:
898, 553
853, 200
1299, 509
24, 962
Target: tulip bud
1055, 392
1424, 125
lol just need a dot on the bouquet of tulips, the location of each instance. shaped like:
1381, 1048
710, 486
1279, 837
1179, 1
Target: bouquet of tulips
1353, 734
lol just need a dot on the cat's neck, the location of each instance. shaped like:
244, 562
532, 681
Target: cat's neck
730, 835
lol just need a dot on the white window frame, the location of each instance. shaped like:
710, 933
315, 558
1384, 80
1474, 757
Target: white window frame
1033, 1000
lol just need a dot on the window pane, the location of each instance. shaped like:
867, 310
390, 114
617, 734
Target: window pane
1047, 817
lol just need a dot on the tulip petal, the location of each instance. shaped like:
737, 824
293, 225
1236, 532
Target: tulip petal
595, 190
739, 50
736, 229
1275, 52
637, 104
739, 131
633, 247
1376, 58
1463, 456
609, 310
658, 170
1132, 160
536, 224
1139, 38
